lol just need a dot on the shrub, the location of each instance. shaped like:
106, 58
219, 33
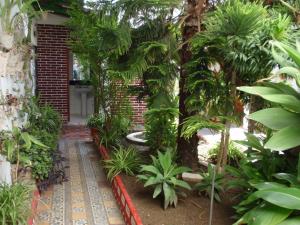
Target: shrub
161, 129
234, 154
14, 204
113, 130
44, 117
205, 185
163, 175
95, 121
126, 160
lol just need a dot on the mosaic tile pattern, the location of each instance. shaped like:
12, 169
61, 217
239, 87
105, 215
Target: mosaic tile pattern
86, 199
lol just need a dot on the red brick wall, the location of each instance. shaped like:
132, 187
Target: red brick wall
139, 107
53, 71
53, 67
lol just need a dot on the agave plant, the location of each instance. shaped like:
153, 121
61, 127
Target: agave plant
163, 175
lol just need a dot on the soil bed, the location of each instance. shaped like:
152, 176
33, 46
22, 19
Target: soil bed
193, 210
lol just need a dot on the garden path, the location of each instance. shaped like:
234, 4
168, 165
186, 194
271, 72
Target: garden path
86, 199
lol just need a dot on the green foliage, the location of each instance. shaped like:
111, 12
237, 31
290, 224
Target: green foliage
95, 121
14, 204
163, 175
205, 185
123, 160
283, 118
9, 21
234, 154
42, 158
43, 117
195, 123
268, 193
161, 130
18, 141
114, 129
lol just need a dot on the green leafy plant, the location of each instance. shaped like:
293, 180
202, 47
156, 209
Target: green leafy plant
95, 121
205, 185
234, 154
161, 130
16, 143
163, 175
43, 117
113, 130
14, 204
284, 117
126, 160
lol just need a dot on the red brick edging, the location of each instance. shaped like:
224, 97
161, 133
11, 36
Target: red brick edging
34, 204
128, 210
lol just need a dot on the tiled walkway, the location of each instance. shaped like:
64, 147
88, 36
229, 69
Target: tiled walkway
87, 197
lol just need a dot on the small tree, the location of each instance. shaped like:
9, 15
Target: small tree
233, 50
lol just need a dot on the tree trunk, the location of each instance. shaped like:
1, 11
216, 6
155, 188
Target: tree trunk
187, 149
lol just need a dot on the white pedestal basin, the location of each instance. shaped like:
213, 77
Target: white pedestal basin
83, 90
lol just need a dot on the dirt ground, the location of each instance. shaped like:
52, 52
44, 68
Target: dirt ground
193, 210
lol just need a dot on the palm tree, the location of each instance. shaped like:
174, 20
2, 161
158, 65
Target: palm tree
236, 38
192, 19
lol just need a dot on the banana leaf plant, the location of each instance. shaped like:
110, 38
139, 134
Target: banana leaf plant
284, 115
273, 202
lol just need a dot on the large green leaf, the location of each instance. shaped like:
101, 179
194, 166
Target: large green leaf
260, 91
252, 141
267, 185
292, 52
180, 183
165, 161
275, 118
284, 197
291, 221
292, 179
293, 72
284, 139
265, 215
289, 101
284, 88
150, 169
152, 181
157, 190
274, 95
167, 194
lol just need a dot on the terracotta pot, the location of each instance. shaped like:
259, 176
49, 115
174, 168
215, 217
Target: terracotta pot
94, 132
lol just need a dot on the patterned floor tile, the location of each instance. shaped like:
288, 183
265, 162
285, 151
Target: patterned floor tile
86, 199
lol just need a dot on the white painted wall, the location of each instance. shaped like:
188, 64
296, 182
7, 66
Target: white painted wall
14, 74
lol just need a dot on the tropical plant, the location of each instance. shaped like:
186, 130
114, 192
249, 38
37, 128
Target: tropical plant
15, 143
233, 49
163, 175
283, 118
113, 130
208, 178
123, 160
294, 7
43, 117
14, 204
160, 128
235, 155
272, 202
95, 121
275, 195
